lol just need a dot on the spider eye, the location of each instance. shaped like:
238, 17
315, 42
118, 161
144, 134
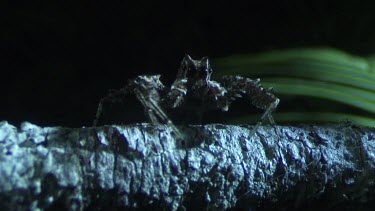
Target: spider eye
191, 72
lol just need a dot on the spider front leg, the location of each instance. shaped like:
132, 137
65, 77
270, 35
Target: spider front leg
154, 111
247, 88
146, 89
113, 96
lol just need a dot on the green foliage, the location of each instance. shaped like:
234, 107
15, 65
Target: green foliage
321, 73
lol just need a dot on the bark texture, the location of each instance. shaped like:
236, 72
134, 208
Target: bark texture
214, 167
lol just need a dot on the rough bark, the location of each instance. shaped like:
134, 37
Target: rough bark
214, 167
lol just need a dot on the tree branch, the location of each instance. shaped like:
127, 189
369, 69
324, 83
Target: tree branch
215, 167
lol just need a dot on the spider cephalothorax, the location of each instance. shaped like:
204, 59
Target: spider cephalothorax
192, 93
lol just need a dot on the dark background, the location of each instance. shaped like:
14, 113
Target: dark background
57, 59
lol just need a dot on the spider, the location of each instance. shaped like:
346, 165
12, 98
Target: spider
192, 93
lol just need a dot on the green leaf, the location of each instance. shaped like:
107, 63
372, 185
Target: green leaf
312, 72
319, 64
356, 97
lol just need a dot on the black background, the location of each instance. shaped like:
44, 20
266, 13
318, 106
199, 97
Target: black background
58, 58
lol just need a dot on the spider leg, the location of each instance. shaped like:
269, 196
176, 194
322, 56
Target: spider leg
247, 88
113, 96
153, 110
146, 89
177, 93
98, 114
266, 113
271, 120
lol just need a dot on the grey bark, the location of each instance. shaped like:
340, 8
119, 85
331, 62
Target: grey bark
214, 167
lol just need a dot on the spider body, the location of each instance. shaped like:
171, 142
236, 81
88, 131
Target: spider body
192, 93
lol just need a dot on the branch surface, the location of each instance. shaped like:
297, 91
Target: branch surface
214, 167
